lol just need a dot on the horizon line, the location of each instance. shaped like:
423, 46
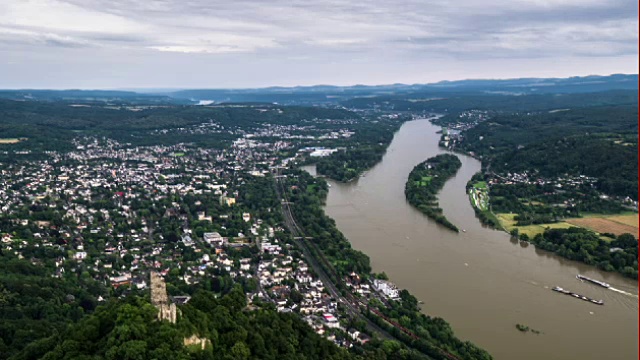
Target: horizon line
168, 89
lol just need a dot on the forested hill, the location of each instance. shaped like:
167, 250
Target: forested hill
330, 94
52, 125
453, 103
598, 142
88, 96
65, 318
128, 329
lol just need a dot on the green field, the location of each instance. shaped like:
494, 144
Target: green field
509, 223
480, 185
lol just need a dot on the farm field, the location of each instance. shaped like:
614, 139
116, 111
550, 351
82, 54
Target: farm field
508, 223
617, 225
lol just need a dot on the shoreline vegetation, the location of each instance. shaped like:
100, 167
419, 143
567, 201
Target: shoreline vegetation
434, 335
370, 144
606, 251
424, 182
478, 191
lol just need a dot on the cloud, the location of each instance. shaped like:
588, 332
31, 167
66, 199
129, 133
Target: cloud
378, 32
39, 38
201, 26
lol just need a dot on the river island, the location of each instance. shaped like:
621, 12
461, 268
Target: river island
424, 182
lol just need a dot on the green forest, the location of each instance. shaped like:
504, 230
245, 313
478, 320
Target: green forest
34, 306
620, 254
64, 318
128, 329
424, 182
50, 126
456, 102
598, 142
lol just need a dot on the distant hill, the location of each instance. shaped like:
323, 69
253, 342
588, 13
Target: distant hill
334, 94
330, 94
86, 96
590, 83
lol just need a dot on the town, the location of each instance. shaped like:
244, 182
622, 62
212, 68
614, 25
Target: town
119, 213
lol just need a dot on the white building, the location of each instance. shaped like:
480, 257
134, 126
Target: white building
387, 288
322, 152
330, 321
214, 238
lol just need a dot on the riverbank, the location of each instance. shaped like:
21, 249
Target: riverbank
479, 198
430, 335
479, 281
603, 250
363, 150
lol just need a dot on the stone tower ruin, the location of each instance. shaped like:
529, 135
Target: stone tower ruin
160, 299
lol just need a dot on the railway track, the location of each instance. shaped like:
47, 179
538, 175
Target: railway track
352, 308
353, 305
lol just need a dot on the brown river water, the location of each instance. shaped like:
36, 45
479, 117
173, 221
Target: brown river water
481, 281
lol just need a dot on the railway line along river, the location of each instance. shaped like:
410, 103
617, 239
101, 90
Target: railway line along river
481, 281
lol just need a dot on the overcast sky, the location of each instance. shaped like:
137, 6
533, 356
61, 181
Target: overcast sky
254, 43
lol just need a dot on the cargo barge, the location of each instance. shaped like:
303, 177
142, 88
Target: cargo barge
578, 296
594, 281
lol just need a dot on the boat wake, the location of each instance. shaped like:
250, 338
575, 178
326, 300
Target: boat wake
623, 292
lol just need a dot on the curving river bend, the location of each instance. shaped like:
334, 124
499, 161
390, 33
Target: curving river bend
480, 281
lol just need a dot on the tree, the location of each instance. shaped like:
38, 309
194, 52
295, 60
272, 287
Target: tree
240, 351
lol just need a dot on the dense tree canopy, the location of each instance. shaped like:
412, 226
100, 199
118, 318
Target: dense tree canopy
619, 255
424, 182
599, 142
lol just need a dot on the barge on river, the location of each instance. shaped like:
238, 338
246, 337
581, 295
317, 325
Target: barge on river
594, 281
578, 296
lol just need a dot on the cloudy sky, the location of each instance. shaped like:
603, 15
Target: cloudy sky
252, 43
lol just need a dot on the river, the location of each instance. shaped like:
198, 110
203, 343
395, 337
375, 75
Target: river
481, 281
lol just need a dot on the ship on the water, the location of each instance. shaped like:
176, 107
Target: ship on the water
594, 281
577, 296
